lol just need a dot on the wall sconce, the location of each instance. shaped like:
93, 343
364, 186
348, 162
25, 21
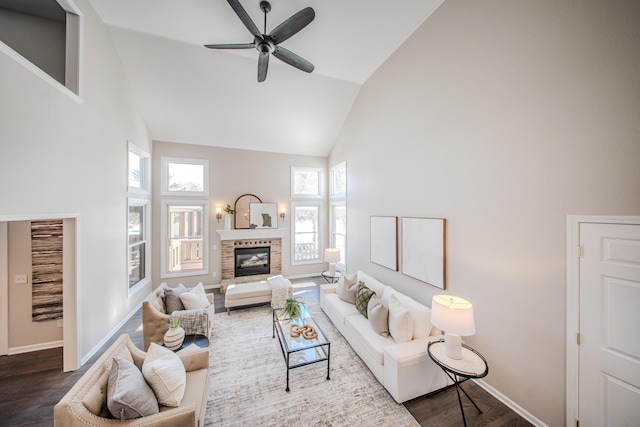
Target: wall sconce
218, 214
455, 317
283, 212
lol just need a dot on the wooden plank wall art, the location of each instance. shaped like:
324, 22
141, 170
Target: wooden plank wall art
46, 264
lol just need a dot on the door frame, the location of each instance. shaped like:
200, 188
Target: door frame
70, 276
573, 303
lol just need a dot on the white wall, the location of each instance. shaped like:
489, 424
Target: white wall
233, 173
59, 156
502, 117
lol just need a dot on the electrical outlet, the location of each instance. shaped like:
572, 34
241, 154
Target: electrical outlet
20, 279
214, 274
215, 247
59, 323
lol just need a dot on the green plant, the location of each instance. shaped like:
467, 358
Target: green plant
228, 209
291, 308
173, 324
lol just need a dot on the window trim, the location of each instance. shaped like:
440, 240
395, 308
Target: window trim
164, 237
342, 165
320, 205
146, 169
164, 176
319, 171
146, 203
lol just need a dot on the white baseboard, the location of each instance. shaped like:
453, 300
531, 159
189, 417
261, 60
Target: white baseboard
110, 334
35, 347
303, 276
511, 404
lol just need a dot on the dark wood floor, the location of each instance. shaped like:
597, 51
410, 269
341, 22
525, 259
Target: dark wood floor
31, 384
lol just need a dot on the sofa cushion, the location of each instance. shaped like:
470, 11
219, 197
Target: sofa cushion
420, 314
172, 298
349, 287
378, 315
351, 278
128, 394
363, 295
400, 321
247, 290
195, 298
367, 339
166, 375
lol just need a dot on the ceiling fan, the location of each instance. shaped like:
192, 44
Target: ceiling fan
267, 44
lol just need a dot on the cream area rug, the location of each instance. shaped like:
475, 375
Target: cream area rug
248, 380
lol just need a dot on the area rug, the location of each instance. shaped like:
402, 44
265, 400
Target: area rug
248, 380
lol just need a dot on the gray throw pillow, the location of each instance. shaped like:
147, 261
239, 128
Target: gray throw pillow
349, 287
172, 299
128, 394
378, 316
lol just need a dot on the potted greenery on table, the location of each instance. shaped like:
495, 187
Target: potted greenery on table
227, 218
174, 337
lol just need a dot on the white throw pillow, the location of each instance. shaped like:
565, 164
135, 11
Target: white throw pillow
400, 321
350, 278
195, 298
165, 373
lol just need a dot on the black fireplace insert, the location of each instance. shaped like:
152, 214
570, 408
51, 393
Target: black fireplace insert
252, 261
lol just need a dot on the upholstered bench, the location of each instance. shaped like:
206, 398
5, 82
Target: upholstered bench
275, 290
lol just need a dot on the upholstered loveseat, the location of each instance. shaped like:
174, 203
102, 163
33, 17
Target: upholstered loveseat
155, 317
401, 364
86, 403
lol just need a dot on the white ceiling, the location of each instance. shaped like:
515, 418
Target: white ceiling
190, 94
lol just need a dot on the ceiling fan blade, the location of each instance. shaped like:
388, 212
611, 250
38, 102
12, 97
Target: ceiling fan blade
292, 59
231, 46
263, 65
244, 17
292, 25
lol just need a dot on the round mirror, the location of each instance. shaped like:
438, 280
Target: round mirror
242, 205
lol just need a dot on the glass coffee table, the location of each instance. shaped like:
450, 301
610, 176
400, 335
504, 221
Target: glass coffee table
299, 351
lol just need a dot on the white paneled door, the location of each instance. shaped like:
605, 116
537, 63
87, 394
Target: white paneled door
609, 351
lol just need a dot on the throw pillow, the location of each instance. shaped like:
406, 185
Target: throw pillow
363, 295
378, 315
400, 321
165, 373
349, 287
195, 298
128, 394
351, 278
172, 300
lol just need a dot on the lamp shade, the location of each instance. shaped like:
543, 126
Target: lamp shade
332, 255
453, 315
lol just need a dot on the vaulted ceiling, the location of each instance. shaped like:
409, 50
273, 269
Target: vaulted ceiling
190, 94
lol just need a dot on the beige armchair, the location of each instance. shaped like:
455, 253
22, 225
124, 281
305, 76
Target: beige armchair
155, 318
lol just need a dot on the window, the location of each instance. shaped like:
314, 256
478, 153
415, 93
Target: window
187, 177
184, 227
138, 235
306, 182
338, 178
139, 177
338, 238
306, 234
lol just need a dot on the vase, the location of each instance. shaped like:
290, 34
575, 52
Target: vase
174, 338
227, 222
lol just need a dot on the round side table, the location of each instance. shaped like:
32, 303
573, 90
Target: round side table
329, 278
471, 365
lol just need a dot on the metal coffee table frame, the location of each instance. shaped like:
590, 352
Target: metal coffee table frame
319, 349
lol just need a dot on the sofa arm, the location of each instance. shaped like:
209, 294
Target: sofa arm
154, 325
195, 360
329, 288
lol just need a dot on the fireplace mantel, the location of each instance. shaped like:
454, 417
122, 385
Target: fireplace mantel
256, 233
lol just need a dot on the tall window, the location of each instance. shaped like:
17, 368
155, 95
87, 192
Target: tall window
184, 227
306, 182
338, 238
185, 177
307, 247
338, 209
138, 232
138, 217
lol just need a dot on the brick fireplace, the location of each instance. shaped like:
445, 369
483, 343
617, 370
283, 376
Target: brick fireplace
244, 239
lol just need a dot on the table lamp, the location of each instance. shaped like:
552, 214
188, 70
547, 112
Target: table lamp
332, 256
455, 317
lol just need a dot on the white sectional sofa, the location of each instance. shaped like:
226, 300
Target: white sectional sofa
403, 368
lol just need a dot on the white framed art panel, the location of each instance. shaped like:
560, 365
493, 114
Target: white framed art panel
423, 250
384, 241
